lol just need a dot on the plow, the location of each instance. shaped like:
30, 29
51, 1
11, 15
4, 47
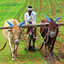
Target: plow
36, 25
45, 37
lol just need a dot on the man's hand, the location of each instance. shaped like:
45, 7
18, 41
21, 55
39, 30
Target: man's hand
34, 24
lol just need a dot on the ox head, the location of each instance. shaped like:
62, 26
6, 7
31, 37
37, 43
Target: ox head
52, 26
16, 31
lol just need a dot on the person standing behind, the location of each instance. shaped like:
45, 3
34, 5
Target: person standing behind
30, 18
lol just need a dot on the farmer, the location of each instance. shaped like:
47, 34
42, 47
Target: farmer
30, 17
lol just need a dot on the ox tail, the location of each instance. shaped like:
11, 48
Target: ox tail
3, 46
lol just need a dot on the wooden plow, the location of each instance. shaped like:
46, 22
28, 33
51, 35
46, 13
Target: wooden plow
36, 25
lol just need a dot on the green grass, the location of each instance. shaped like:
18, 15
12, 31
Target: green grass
57, 53
9, 10
11, 2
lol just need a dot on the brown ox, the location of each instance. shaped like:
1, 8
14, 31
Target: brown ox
13, 35
49, 34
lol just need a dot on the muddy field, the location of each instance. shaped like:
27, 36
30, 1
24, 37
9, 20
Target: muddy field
16, 9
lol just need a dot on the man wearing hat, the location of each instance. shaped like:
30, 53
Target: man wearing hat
30, 17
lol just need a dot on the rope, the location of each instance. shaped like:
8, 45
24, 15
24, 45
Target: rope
47, 35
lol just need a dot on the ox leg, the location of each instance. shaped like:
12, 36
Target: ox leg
33, 44
49, 49
46, 49
41, 46
52, 47
30, 45
15, 50
12, 50
10, 44
50, 52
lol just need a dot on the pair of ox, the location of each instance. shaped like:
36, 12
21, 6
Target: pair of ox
49, 34
13, 34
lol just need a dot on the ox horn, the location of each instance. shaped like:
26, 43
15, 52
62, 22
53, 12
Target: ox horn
48, 18
21, 23
10, 24
57, 18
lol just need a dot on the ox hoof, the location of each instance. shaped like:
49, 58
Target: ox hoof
13, 59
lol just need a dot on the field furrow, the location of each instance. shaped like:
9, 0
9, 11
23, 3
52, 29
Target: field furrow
15, 9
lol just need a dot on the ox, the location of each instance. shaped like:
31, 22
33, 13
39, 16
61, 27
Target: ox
49, 33
13, 35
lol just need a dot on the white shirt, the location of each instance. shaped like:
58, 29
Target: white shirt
31, 18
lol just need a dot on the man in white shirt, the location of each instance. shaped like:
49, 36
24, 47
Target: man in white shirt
30, 17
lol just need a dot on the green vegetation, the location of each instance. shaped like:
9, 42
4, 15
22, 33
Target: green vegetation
15, 9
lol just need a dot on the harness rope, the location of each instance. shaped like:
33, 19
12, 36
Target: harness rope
47, 35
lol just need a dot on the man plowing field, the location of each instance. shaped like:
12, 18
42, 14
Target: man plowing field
30, 18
